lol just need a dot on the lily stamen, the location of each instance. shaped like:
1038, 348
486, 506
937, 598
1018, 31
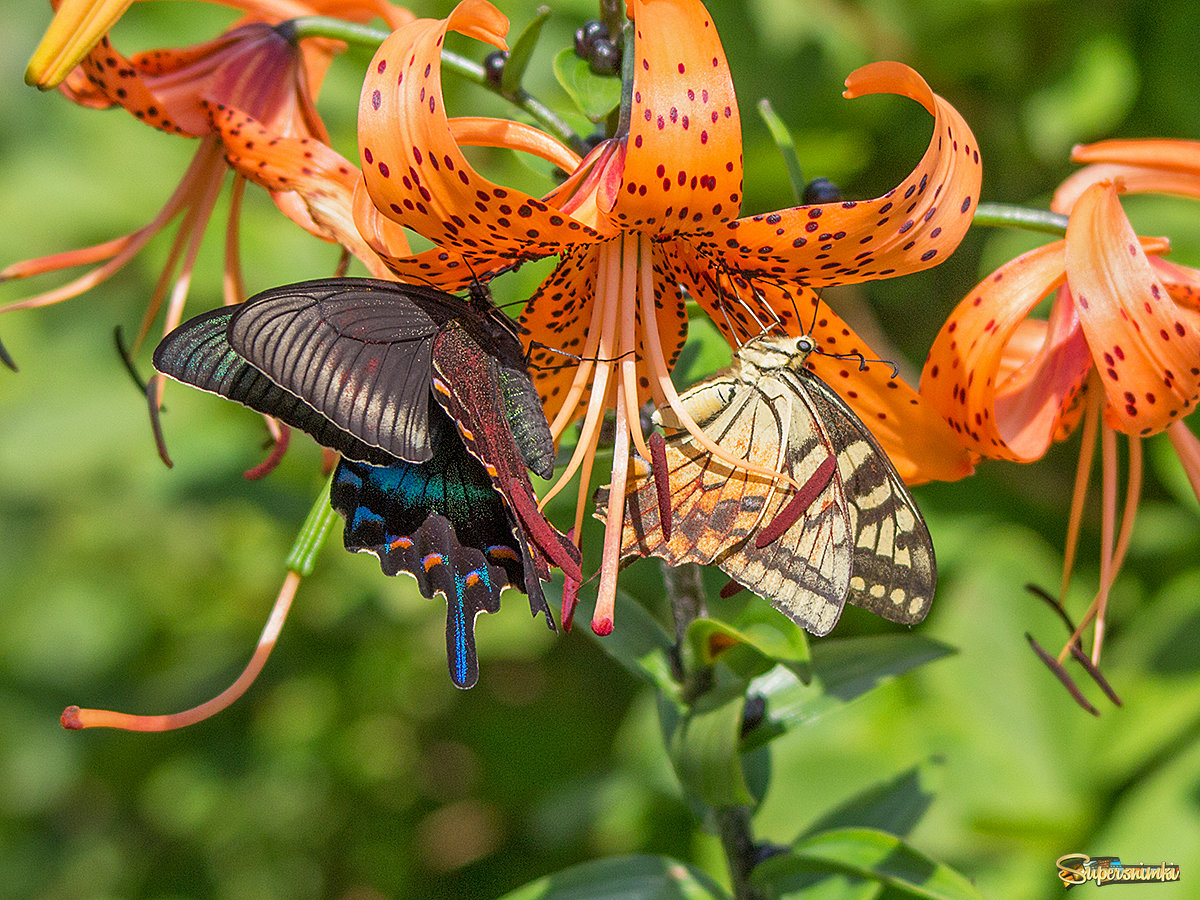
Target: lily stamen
75, 718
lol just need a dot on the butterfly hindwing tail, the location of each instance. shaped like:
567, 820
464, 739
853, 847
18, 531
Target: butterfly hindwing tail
385, 512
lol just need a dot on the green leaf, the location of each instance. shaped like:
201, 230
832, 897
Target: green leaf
894, 806
595, 95
623, 878
638, 642
705, 749
521, 52
867, 854
842, 669
758, 639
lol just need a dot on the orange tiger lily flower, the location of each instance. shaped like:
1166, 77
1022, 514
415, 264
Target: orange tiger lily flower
1120, 350
650, 217
78, 26
255, 71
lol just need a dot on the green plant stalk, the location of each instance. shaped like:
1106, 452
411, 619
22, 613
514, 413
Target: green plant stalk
787, 147
737, 841
366, 36
313, 533
1007, 215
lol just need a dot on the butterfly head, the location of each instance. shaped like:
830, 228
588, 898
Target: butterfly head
773, 351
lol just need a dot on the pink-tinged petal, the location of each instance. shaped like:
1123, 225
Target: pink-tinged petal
964, 364
414, 169
1037, 401
1152, 153
914, 226
683, 163
307, 170
1133, 180
254, 68
1181, 282
1147, 353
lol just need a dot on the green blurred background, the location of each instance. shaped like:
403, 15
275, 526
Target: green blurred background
353, 768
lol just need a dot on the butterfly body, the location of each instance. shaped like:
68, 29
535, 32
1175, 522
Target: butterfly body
427, 397
850, 532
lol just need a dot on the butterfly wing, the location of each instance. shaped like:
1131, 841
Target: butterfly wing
894, 572
718, 509
198, 353
441, 522
357, 350
469, 385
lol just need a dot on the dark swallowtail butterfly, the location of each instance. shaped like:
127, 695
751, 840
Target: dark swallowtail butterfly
427, 398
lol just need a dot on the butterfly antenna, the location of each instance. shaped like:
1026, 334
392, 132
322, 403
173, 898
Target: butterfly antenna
569, 355
863, 361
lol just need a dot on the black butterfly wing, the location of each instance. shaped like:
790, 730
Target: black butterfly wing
441, 522
468, 384
894, 572
357, 350
198, 353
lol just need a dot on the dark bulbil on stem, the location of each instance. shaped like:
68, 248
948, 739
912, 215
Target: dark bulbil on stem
594, 43
821, 190
493, 66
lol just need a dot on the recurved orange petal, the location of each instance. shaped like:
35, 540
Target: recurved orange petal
683, 162
912, 227
1134, 180
1146, 348
414, 169
1153, 153
321, 177
964, 364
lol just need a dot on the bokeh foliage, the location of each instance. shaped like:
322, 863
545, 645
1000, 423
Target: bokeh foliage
353, 768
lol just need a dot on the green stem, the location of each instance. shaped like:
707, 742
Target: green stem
685, 591
312, 534
366, 36
1009, 216
733, 823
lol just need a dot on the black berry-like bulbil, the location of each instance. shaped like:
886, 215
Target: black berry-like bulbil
493, 66
821, 190
606, 58
587, 35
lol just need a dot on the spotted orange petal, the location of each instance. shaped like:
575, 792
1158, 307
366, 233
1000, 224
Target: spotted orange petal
683, 163
303, 167
1148, 354
963, 368
922, 446
559, 316
919, 442
415, 170
912, 227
